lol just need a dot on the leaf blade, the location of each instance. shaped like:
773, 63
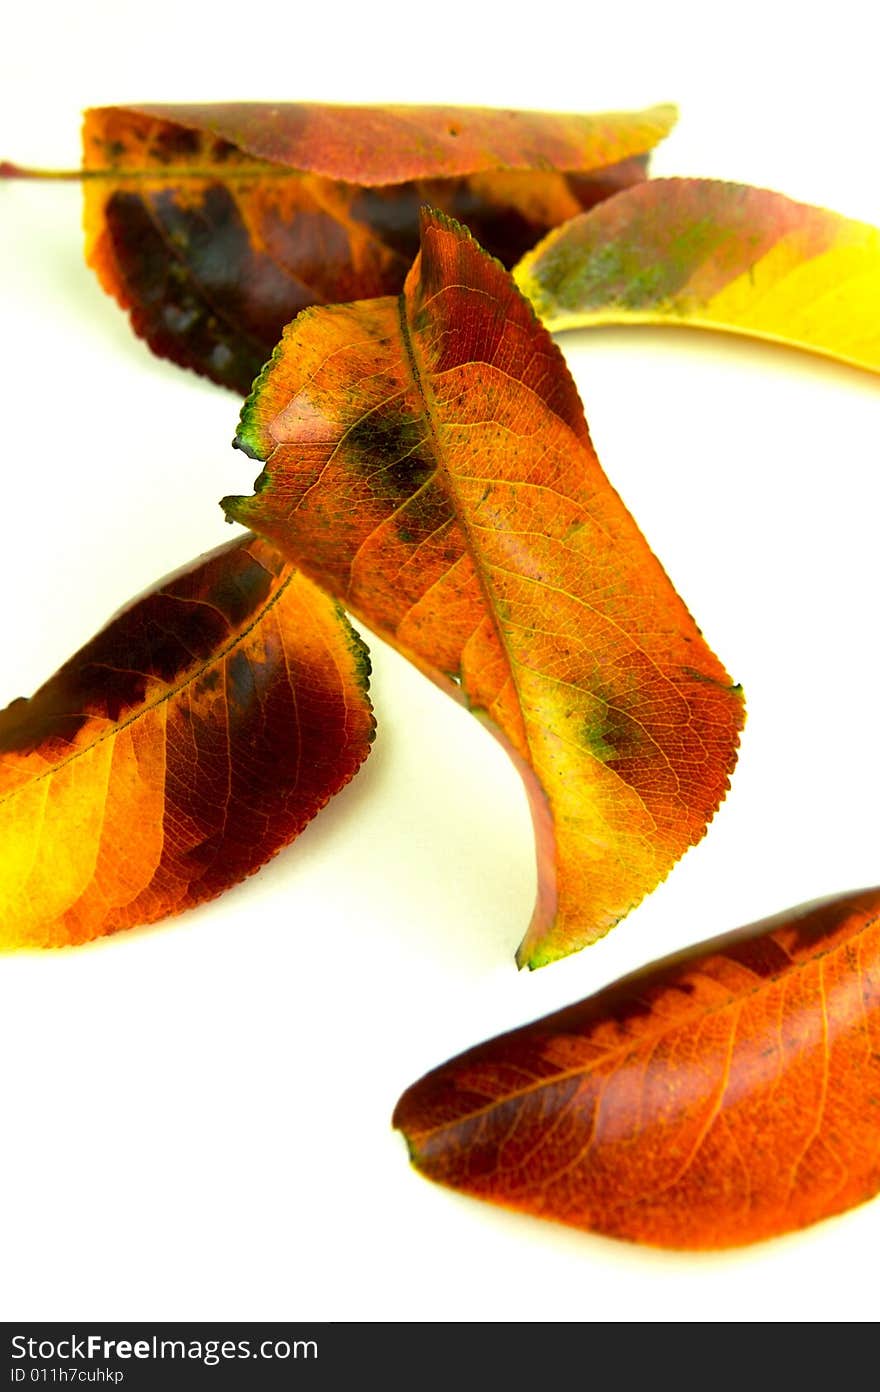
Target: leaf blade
176, 753
375, 145
722, 1096
427, 461
713, 255
214, 225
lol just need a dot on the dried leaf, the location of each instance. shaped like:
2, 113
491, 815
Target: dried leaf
428, 463
714, 256
722, 1096
214, 225
178, 751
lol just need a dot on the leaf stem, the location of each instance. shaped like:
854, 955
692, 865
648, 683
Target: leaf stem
18, 171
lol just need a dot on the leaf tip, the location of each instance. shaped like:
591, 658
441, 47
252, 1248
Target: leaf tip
542, 950
431, 217
235, 508
238, 506
246, 442
666, 115
398, 1125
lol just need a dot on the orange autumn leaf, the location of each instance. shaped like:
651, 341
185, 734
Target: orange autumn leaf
428, 463
178, 751
215, 224
722, 1096
715, 256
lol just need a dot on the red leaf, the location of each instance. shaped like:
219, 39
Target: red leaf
724, 1095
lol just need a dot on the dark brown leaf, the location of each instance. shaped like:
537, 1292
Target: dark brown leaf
214, 225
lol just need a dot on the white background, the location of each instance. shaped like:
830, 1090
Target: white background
194, 1119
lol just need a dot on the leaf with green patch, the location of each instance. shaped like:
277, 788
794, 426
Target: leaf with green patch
428, 463
714, 256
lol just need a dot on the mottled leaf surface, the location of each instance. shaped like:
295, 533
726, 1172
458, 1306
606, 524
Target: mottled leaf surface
716, 256
722, 1096
427, 462
214, 225
178, 751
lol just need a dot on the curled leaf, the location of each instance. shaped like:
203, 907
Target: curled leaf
214, 225
725, 1095
714, 256
178, 751
427, 462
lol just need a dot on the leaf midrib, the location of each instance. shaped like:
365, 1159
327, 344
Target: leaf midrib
224, 174
429, 407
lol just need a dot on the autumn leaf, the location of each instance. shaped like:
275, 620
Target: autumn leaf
214, 225
427, 462
178, 751
722, 1096
714, 256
